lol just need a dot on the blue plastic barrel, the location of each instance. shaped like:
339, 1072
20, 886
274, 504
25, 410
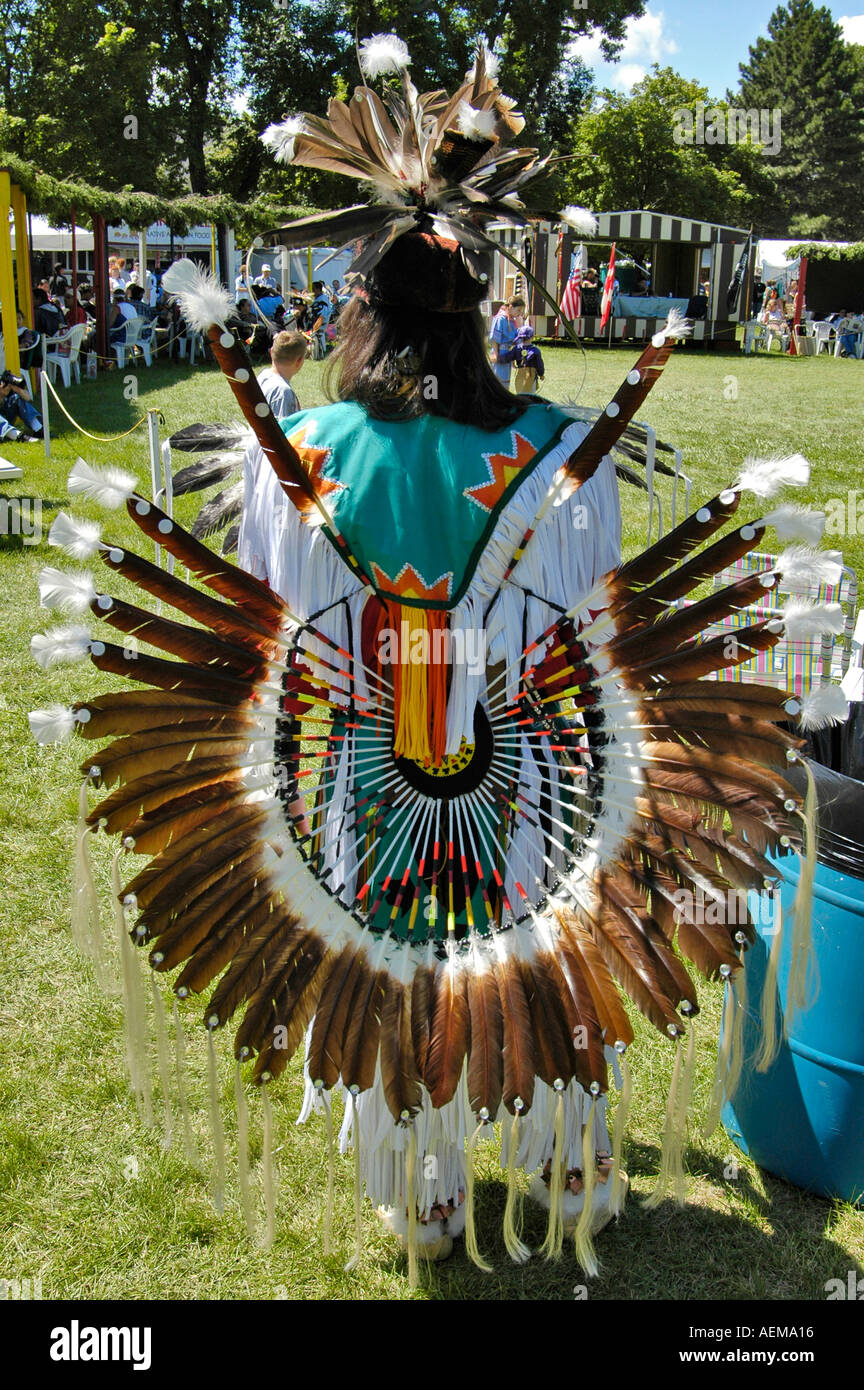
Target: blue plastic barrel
803, 1119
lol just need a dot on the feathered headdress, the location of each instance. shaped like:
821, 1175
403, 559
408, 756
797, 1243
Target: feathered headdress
444, 165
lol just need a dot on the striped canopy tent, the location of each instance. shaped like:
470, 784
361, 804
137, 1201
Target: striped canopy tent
681, 248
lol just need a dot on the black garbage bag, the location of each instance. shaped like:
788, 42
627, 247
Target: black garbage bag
836, 757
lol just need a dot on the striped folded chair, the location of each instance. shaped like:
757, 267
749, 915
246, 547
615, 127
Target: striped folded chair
800, 665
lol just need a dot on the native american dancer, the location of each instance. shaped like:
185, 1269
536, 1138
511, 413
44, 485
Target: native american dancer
427, 784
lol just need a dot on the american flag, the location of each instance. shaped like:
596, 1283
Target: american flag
571, 300
608, 291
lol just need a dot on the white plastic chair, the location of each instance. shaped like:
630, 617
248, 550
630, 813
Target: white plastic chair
822, 331
195, 343
66, 361
859, 342
145, 341
133, 328
798, 665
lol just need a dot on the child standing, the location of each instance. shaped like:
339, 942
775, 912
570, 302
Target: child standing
287, 356
528, 362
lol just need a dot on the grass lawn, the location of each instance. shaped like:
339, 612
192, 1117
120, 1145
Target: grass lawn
90, 1201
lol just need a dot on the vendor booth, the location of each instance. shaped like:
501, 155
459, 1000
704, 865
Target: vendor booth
678, 253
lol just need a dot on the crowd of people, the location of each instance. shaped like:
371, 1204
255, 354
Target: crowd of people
275, 327
774, 308
279, 328
262, 306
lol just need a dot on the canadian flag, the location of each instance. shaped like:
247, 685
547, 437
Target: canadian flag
608, 289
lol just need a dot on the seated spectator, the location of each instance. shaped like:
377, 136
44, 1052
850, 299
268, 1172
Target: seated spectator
847, 331
75, 313
121, 310
244, 316
287, 355
268, 300
774, 318
15, 404
135, 296
27, 340
47, 319
169, 326
240, 288
322, 311
87, 300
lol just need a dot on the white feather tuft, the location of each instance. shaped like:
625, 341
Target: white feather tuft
280, 138
794, 523
802, 620
819, 708
580, 219
491, 62
70, 592
383, 53
78, 538
203, 299
51, 725
474, 124
764, 477
60, 646
110, 487
676, 326
804, 569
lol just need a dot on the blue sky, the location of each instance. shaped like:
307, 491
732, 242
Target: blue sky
702, 39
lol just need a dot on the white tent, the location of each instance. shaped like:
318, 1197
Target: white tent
771, 258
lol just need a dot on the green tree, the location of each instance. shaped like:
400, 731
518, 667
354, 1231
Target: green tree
296, 56
122, 94
805, 69
630, 154
75, 92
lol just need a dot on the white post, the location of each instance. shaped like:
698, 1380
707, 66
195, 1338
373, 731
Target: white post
46, 428
142, 259
168, 490
650, 453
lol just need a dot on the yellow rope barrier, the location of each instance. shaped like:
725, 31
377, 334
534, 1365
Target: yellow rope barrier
100, 438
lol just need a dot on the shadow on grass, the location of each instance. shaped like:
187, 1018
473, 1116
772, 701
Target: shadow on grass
731, 1240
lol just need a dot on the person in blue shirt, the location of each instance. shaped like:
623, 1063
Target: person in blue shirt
322, 310
268, 302
502, 336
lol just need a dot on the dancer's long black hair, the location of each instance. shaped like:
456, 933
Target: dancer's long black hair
399, 356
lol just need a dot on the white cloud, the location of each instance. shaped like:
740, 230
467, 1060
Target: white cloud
628, 74
853, 27
645, 42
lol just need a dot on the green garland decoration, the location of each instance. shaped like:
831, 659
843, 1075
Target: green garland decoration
56, 199
818, 251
